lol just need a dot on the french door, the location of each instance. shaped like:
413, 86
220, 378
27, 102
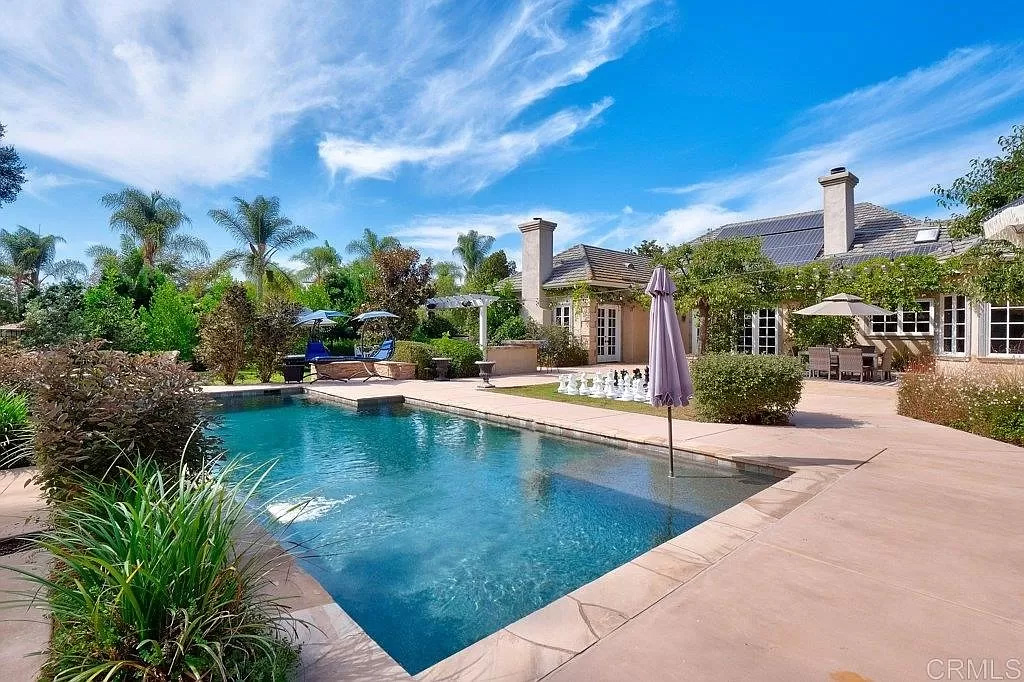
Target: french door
609, 334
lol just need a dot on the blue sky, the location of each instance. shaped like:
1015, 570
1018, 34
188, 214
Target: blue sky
622, 121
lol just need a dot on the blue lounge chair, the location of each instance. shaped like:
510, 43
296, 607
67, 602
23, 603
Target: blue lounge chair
317, 354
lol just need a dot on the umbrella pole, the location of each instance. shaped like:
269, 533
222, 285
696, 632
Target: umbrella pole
671, 455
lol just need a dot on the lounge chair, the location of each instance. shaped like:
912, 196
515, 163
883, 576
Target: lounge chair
317, 355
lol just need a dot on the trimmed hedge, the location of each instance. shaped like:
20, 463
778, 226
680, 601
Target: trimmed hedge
463, 353
418, 354
747, 389
988, 406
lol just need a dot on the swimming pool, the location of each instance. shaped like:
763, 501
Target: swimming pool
433, 530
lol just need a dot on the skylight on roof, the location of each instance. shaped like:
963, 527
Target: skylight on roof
928, 234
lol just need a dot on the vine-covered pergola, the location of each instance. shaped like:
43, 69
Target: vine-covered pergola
463, 301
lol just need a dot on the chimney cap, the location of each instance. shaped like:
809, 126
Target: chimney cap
536, 224
837, 169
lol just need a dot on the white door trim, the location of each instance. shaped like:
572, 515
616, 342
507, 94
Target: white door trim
612, 347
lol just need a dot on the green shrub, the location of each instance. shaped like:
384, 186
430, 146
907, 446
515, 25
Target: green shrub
748, 389
463, 354
418, 354
171, 321
89, 406
559, 347
432, 327
14, 432
821, 330
56, 316
990, 406
273, 334
512, 328
224, 334
112, 317
152, 581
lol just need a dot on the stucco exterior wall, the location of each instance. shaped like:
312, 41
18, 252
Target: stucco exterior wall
519, 358
635, 329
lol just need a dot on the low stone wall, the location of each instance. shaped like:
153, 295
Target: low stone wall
518, 358
355, 370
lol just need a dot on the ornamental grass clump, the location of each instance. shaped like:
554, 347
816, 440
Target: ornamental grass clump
14, 429
990, 406
747, 389
152, 581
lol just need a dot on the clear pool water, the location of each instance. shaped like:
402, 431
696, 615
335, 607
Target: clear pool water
432, 530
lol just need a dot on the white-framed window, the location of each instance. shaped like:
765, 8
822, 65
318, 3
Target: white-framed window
914, 321
758, 332
1005, 329
955, 325
563, 315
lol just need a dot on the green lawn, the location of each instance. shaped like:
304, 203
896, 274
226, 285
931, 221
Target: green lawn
246, 376
550, 392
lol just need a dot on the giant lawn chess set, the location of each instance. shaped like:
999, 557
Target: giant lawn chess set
614, 385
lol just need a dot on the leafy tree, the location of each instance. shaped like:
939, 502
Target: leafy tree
346, 286
313, 297
171, 322
369, 244
29, 258
8, 313
273, 333
263, 232
471, 248
990, 184
507, 307
12, 172
224, 334
719, 278
56, 316
649, 248
400, 284
319, 260
446, 276
820, 330
112, 317
492, 269
153, 222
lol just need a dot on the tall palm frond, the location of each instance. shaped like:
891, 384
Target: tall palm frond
29, 258
472, 247
263, 233
319, 260
154, 222
370, 244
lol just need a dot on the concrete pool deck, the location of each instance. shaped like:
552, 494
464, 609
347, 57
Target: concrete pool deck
896, 551
900, 554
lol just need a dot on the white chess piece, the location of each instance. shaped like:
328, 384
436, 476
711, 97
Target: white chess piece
609, 386
639, 390
573, 387
585, 385
561, 383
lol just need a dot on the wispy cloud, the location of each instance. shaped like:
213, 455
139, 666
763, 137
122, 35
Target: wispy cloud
37, 183
469, 116
901, 137
165, 93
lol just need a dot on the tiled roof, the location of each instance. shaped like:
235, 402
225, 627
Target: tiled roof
585, 263
798, 238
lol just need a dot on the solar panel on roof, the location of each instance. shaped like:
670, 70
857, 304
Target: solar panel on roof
793, 255
761, 228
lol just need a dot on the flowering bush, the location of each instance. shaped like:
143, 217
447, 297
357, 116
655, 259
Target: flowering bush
988, 406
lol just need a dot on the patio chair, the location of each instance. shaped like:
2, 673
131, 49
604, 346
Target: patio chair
885, 370
820, 361
851, 361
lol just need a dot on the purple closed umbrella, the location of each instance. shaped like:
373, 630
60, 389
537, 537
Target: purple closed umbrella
669, 382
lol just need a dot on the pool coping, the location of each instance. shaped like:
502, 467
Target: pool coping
542, 641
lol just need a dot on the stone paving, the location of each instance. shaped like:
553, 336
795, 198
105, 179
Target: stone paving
893, 550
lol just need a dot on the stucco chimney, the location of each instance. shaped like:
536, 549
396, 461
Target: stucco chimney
838, 203
538, 252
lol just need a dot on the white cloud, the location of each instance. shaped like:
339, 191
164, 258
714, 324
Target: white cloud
37, 184
163, 93
901, 137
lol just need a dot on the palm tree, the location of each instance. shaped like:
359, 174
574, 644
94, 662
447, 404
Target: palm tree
319, 260
153, 222
29, 258
472, 248
370, 244
259, 226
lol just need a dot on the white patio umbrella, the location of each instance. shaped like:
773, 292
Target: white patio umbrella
670, 382
1007, 223
843, 305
